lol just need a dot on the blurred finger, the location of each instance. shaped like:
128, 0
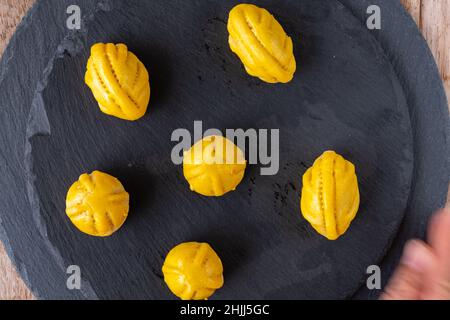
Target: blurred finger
406, 283
439, 237
437, 281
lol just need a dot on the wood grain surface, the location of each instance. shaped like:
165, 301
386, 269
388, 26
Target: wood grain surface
432, 16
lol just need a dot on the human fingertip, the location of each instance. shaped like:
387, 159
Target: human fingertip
416, 255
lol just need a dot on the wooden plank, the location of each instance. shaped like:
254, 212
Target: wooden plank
11, 285
11, 12
413, 7
435, 24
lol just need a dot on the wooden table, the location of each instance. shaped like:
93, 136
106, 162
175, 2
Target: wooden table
432, 16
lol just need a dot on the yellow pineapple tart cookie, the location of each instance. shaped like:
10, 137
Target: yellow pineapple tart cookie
214, 166
193, 271
97, 204
330, 195
261, 43
118, 80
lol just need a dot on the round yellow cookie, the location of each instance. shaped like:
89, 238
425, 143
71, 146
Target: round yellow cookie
214, 166
261, 43
118, 80
193, 271
330, 195
97, 204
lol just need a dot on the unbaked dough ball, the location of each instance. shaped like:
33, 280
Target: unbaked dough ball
193, 271
214, 166
97, 204
330, 195
118, 80
261, 43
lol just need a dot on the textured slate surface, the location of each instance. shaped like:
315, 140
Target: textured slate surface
355, 92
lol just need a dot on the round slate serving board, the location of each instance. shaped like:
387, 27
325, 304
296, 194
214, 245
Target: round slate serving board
373, 96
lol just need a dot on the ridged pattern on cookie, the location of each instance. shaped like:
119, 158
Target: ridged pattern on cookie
214, 166
97, 204
193, 271
118, 80
330, 195
261, 43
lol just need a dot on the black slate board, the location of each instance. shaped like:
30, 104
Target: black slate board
374, 96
